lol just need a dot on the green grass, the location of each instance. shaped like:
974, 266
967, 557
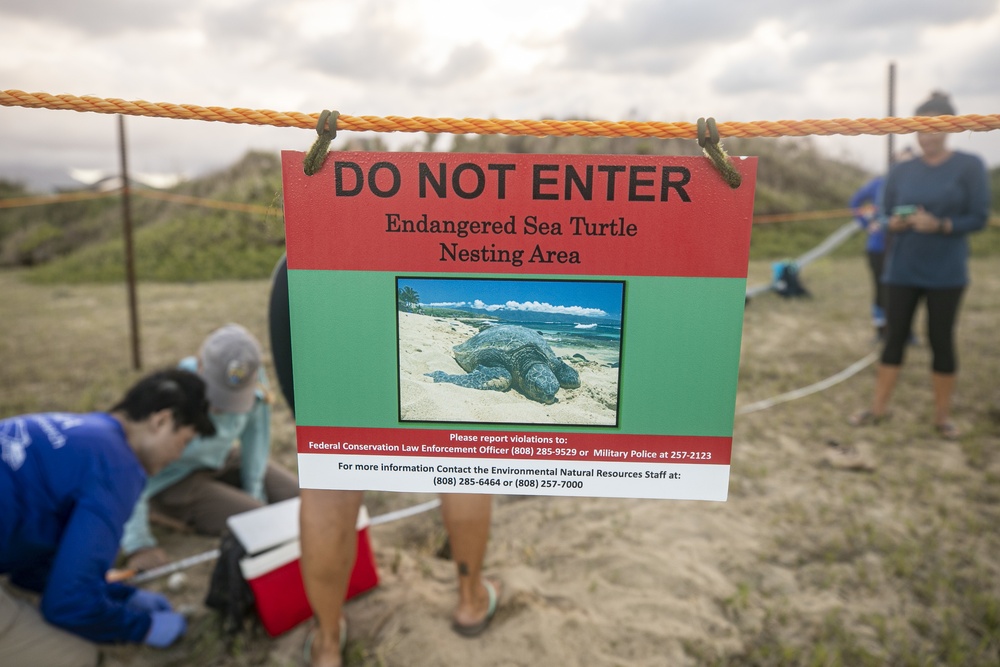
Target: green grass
81, 242
221, 246
226, 246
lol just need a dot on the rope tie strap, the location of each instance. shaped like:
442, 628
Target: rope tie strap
537, 128
326, 129
713, 150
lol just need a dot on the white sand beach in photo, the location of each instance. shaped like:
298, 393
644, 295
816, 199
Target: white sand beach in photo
425, 345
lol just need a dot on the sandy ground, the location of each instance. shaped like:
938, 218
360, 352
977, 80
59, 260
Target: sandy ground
811, 561
425, 345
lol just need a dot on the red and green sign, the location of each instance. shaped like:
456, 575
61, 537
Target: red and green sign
544, 324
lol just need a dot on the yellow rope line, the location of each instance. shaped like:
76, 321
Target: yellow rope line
38, 200
769, 218
538, 128
801, 216
208, 203
16, 202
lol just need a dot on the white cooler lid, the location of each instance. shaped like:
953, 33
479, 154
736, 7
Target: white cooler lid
254, 566
267, 527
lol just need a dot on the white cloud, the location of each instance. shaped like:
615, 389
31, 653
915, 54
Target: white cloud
445, 304
539, 307
482, 305
98, 17
630, 60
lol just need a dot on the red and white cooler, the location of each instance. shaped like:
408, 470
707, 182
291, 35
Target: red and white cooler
270, 536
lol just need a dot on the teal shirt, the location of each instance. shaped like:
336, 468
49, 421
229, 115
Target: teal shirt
957, 189
253, 432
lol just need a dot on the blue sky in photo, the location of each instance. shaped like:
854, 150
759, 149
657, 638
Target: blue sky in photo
570, 297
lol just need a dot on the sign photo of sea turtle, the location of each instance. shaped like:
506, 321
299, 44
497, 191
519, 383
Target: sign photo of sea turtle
509, 350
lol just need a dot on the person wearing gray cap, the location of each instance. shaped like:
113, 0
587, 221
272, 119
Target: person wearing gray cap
214, 480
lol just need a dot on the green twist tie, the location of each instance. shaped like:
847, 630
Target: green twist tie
326, 128
713, 151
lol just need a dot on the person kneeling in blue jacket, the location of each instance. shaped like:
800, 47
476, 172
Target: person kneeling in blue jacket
68, 483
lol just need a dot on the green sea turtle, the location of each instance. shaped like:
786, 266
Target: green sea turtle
508, 356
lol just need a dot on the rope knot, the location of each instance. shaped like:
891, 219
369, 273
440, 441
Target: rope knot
326, 130
708, 139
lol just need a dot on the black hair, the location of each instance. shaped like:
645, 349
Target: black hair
279, 323
938, 104
183, 392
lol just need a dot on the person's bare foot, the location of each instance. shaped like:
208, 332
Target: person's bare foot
324, 649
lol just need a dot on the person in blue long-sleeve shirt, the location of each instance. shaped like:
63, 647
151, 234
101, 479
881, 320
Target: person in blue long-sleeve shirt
68, 483
866, 205
931, 204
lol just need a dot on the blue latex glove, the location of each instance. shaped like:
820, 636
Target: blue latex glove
166, 628
148, 601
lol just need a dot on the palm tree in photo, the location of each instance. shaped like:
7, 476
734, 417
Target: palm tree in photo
407, 299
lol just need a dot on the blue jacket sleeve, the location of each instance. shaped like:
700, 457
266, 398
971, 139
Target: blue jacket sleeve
869, 192
76, 597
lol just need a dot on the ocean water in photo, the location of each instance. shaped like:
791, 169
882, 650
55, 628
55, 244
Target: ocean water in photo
596, 341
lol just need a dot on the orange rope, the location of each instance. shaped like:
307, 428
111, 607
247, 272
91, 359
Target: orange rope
771, 218
538, 128
16, 202
803, 215
208, 203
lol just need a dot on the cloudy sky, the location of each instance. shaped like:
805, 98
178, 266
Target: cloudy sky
665, 60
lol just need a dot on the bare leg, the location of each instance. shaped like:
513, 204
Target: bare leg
944, 387
885, 383
467, 520
328, 522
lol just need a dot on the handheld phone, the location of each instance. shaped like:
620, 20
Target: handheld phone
905, 210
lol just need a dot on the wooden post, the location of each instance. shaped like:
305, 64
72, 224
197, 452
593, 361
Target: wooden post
892, 112
129, 252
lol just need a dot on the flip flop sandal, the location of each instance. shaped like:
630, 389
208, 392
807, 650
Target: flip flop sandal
311, 635
866, 418
477, 629
948, 431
